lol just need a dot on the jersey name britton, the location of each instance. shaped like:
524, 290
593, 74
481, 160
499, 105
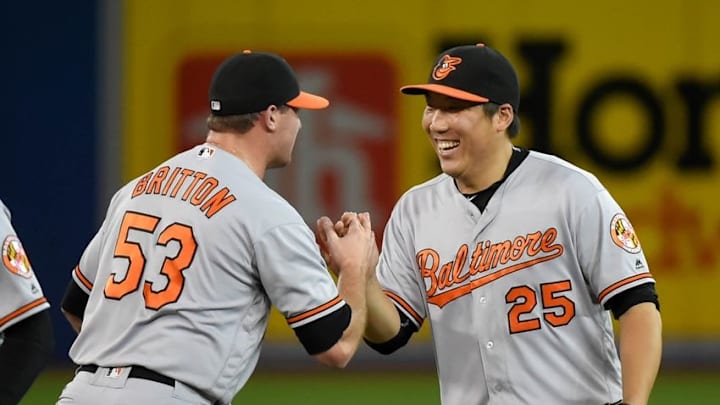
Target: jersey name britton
197, 188
450, 281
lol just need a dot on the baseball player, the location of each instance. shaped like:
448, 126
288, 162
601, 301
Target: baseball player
171, 297
26, 338
516, 257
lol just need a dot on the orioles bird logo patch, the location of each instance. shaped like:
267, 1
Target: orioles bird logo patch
14, 257
445, 66
623, 234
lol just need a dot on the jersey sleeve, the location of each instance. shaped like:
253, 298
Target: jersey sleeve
609, 249
20, 290
295, 276
85, 271
397, 270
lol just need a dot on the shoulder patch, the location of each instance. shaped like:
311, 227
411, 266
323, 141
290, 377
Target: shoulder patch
623, 234
14, 257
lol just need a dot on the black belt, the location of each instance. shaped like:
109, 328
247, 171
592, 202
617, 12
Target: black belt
137, 372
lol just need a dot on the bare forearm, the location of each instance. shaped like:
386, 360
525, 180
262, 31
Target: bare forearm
640, 351
351, 250
383, 321
351, 287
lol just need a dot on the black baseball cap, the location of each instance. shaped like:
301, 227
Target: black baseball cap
473, 73
249, 82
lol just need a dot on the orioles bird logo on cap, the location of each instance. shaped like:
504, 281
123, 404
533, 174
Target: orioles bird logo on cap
445, 66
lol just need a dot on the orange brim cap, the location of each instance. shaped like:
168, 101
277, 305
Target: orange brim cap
415, 89
308, 101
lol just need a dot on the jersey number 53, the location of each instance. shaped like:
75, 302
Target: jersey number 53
172, 267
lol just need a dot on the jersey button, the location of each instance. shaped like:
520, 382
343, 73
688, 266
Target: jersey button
489, 345
483, 300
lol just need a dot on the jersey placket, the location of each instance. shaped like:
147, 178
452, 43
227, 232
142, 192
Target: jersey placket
491, 326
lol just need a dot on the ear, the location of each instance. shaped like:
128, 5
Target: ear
270, 117
504, 117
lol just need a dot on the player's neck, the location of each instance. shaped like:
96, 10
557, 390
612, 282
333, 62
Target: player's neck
241, 146
486, 172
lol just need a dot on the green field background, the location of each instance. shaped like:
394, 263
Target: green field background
394, 388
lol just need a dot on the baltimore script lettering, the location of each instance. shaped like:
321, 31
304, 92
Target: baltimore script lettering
450, 278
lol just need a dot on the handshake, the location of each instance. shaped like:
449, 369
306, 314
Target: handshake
349, 244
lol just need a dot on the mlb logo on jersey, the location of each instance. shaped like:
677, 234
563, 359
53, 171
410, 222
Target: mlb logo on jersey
114, 372
206, 152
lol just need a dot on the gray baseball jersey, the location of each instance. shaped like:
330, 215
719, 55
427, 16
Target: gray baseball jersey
184, 269
19, 288
515, 295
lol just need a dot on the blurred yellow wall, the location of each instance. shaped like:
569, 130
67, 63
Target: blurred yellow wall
656, 44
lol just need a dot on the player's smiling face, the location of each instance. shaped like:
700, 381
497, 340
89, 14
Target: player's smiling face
462, 135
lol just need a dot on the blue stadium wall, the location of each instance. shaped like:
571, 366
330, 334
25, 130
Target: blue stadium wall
49, 140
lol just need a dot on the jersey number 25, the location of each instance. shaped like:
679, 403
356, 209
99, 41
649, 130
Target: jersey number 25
558, 310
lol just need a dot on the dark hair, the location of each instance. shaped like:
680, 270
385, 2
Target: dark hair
239, 123
232, 123
491, 109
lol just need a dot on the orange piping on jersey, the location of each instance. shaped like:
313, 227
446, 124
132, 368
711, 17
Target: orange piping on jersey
314, 311
486, 256
83, 279
405, 305
621, 283
22, 310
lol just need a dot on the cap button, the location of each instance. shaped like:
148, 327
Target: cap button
246, 51
480, 44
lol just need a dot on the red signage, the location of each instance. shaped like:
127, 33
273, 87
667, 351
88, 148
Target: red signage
344, 157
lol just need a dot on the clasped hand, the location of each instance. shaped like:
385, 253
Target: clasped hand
348, 243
